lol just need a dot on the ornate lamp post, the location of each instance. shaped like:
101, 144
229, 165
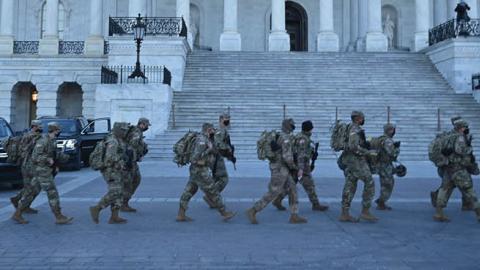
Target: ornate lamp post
139, 30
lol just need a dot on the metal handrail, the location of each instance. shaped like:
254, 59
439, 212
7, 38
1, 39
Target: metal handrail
120, 75
453, 29
155, 26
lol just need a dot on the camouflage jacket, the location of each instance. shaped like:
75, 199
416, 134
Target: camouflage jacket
46, 149
136, 142
356, 144
461, 157
222, 142
115, 155
285, 155
304, 149
204, 152
388, 152
26, 147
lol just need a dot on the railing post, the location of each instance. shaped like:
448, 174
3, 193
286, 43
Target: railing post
388, 114
284, 111
121, 74
228, 110
439, 128
336, 114
173, 115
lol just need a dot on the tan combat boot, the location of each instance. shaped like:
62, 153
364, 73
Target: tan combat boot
382, 206
115, 218
251, 214
95, 213
440, 216
319, 207
61, 219
227, 215
477, 213
366, 215
346, 217
127, 208
278, 204
17, 217
182, 217
210, 203
296, 219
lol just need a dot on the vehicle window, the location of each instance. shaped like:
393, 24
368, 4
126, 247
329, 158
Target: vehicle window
69, 127
99, 126
4, 130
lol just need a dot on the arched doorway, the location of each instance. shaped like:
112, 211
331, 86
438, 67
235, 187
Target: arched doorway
24, 105
69, 100
297, 26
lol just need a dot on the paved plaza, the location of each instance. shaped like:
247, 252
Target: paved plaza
405, 238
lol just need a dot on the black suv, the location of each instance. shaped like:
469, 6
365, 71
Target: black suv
9, 173
78, 137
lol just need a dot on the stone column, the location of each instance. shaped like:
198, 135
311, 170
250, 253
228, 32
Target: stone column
375, 41
422, 16
362, 24
278, 40
94, 43
6, 27
49, 42
183, 10
327, 39
230, 39
451, 4
440, 7
353, 25
136, 7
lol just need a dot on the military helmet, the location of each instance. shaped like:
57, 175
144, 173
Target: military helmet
120, 129
388, 127
144, 121
225, 115
206, 126
455, 118
36, 123
54, 126
357, 114
307, 125
460, 124
400, 170
288, 124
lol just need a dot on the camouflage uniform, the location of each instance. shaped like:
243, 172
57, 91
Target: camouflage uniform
200, 177
223, 149
457, 175
357, 168
139, 148
387, 154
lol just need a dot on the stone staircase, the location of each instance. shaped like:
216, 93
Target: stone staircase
256, 86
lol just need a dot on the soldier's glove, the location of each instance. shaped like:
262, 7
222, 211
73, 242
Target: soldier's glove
397, 144
234, 160
275, 146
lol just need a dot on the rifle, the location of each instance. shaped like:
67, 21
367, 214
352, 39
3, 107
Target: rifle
315, 156
233, 159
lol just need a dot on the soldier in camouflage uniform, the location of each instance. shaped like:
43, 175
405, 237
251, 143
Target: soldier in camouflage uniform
44, 159
115, 162
200, 175
456, 173
305, 152
26, 147
282, 166
357, 168
388, 153
139, 149
224, 149
466, 206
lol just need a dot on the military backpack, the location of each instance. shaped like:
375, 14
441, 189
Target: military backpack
339, 136
97, 157
11, 145
441, 148
183, 149
264, 145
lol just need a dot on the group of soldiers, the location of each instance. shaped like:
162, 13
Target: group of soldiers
292, 161
40, 160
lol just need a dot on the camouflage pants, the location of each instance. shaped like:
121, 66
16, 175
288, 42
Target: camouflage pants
132, 181
200, 177
465, 201
463, 181
114, 196
352, 175
309, 187
39, 183
27, 183
281, 182
387, 181
220, 178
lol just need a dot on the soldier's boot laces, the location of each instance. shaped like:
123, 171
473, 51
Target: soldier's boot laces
433, 199
210, 203
127, 208
346, 217
296, 219
61, 219
366, 215
319, 207
382, 206
477, 212
17, 217
115, 218
227, 215
95, 214
251, 214
30, 210
278, 204
14, 201
182, 217
440, 216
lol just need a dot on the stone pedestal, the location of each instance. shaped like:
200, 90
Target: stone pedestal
420, 42
457, 59
278, 42
376, 42
94, 46
129, 102
327, 42
48, 46
6, 45
230, 41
